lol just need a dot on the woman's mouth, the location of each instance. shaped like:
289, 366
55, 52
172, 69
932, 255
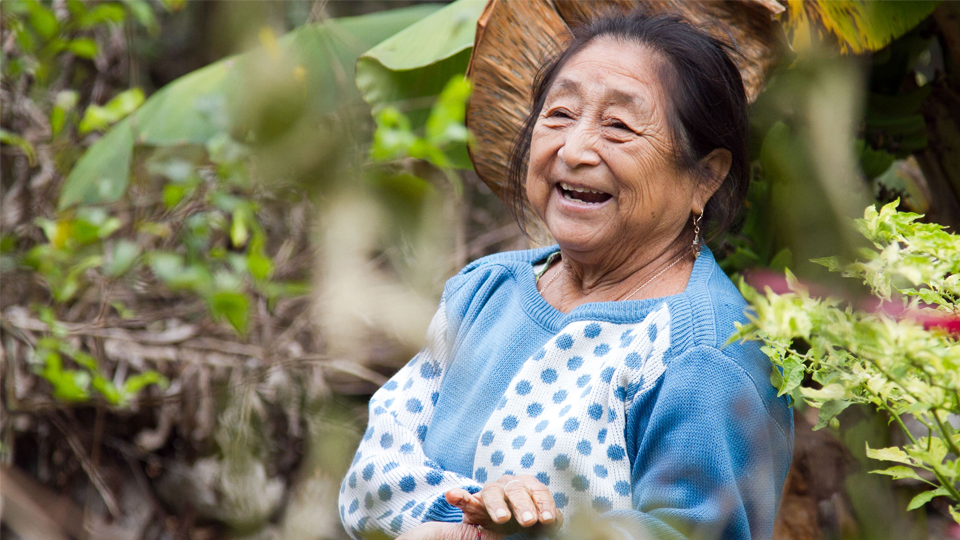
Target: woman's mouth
581, 194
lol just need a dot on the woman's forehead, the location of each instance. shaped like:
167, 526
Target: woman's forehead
619, 72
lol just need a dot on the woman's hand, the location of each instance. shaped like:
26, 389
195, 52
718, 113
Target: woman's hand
510, 501
435, 530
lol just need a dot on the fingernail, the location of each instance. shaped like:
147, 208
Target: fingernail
502, 513
527, 516
546, 516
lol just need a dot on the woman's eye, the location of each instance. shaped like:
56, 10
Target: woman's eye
558, 114
616, 124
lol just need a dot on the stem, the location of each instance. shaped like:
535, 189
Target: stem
947, 434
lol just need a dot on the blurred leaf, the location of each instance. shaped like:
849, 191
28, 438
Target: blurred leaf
259, 265
83, 47
233, 306
144, 14
122, 257
170, 116
418, 61
107, 389
829, 411
858, 25
42, 19
13, 139
98, 118
101, 176
133, 385
100, 14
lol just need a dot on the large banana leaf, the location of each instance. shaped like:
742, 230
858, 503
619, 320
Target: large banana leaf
213, 99
410, 68
858, 26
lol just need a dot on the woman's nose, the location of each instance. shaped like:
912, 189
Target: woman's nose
579, 148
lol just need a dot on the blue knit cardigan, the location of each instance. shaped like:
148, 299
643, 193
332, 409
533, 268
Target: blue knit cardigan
633, 409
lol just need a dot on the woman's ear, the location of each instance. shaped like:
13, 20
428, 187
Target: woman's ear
715, 167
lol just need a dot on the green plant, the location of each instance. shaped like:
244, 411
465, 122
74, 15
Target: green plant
903, 357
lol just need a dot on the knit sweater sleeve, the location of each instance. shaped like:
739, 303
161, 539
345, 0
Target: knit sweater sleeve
392, 486
710, 454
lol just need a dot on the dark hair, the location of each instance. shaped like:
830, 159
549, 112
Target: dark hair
709, 104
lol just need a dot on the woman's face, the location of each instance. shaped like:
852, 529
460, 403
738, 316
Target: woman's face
603, 174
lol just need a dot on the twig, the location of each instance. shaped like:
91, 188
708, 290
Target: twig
92, 473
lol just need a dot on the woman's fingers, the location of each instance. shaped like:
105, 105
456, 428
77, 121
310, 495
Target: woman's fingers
474, 512
524, 498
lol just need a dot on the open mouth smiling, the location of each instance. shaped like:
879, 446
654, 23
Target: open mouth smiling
582, 195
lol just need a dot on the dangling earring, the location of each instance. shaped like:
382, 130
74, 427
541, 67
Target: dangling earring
695, 247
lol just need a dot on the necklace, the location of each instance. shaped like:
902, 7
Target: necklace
633, 292
555, 276
658, 274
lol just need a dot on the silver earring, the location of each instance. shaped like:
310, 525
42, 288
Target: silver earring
696, 247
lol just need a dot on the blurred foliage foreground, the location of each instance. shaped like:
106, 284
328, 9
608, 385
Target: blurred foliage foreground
202, 281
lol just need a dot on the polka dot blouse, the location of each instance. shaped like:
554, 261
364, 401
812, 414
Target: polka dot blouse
635, 410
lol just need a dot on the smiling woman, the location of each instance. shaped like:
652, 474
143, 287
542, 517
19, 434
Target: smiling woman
593, 374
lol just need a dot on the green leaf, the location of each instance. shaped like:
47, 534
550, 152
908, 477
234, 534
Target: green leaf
829, 411
859, 26
98, 118
899, 472
83, 47
926, 497
232, 305
24, 145
43, 20
100, 14
174, 115
893, 453
132, 386
101, 176
416, 62
122, 257
107, 389
831, 391
144, 14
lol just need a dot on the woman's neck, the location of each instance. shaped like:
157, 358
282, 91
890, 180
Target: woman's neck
651, 272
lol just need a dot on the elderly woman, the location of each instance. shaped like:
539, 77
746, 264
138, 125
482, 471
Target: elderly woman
594, 374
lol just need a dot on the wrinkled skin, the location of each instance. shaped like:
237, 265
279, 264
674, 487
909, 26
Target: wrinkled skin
604, 127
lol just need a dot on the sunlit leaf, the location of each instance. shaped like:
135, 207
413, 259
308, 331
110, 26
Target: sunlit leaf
857, 25
926, 497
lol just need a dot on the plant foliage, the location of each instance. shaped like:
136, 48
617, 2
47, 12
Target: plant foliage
902, 357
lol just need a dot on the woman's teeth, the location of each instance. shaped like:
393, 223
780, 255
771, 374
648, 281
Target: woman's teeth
582, 195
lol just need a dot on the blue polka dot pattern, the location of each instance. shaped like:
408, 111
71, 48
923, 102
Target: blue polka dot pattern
584, 447
414, 405
534, 410
560, 420
616, 452
548, 442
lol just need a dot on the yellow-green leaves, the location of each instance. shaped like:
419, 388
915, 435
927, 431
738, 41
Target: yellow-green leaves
903, 364
857, 26
97, 118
